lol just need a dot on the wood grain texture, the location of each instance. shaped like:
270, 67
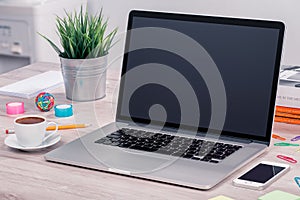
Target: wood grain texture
27, 176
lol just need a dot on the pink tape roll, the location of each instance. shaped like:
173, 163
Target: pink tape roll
14, 108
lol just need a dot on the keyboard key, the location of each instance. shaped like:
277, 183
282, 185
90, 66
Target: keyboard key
177, 154
124, 145
113, 136
206, 159
142, 148
101, 140
187, 155
114, 143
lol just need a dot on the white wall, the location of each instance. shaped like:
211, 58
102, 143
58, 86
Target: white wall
287, 11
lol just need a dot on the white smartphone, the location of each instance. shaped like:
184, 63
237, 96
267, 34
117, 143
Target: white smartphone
261, 175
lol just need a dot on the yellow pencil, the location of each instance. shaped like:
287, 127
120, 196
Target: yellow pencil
67, 126
52, 128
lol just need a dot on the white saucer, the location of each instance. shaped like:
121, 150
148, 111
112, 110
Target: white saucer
11, 141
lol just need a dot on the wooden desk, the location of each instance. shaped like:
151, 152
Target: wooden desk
26, 175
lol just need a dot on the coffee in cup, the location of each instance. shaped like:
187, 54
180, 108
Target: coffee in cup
30, 130
30, 120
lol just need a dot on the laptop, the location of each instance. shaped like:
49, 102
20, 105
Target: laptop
196, 100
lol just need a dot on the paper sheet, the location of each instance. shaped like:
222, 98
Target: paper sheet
221, 197
279, 195
32, 86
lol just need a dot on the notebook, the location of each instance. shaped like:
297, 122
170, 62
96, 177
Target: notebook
279, 195
167, 79
30, 87
221, 197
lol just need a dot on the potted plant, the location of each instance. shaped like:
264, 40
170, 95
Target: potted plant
85, 45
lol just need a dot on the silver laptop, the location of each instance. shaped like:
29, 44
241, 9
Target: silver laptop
196, 100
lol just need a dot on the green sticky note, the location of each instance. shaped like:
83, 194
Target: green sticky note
221, 197
279, 195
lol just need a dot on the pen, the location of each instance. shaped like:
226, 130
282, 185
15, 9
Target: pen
60, 127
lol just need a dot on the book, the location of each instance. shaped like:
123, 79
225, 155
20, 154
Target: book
286, 120
287, 115
290, 110
288, 93
288, 96
30, 87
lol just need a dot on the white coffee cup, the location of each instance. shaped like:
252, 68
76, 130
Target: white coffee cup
30, 130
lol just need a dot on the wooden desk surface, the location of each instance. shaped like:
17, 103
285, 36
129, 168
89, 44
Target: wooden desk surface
26, 175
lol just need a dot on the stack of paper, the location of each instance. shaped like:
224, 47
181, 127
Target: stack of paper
32, 86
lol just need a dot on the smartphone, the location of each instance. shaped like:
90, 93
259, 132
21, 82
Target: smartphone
261, 175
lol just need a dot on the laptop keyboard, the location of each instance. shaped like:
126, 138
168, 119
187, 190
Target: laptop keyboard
189, 148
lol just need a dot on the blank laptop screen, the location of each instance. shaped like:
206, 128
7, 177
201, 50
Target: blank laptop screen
247, 56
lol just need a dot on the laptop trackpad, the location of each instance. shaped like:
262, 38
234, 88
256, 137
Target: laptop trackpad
130, 160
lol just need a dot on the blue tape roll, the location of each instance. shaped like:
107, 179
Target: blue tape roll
63, 110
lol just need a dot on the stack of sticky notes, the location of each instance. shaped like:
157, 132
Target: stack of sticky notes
221, 197
279, 195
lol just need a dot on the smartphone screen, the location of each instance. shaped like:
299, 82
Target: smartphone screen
261, 173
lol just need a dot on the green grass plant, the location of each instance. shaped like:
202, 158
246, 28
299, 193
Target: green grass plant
82, 35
